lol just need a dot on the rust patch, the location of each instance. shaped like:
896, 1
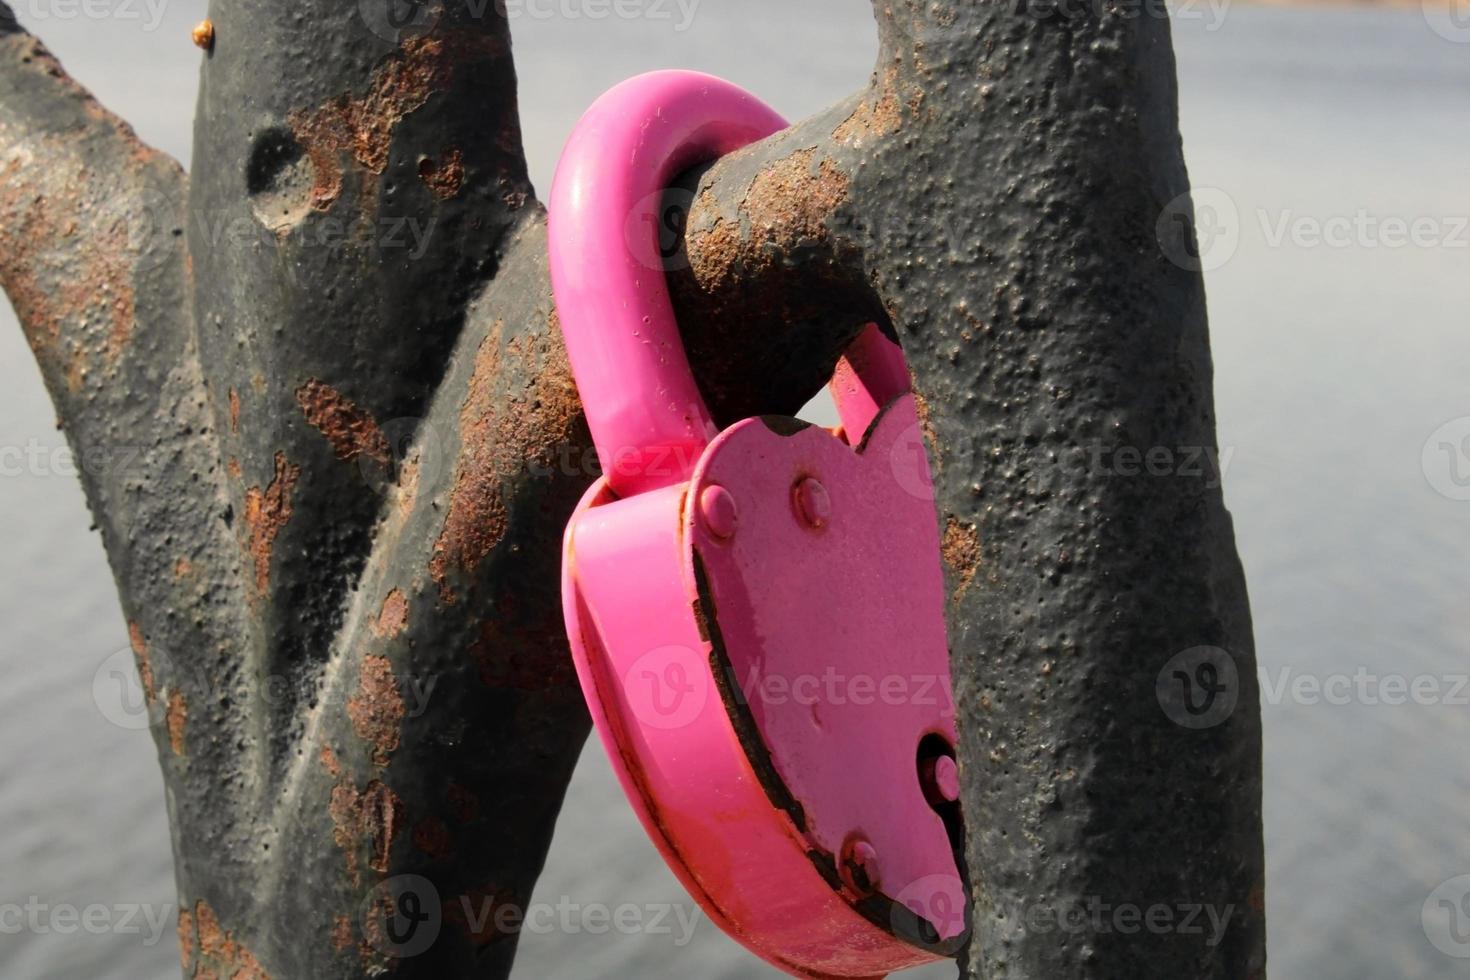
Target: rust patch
377, 709
183, 568
432, 837
790, 203
380, 812
342, 937
345, 810
329, 760
408, 486
233, 467
266, 512
370, 818
140, 653
786, 208
186, 938
961, 550
926, 425
220, 954
177, 717
443, 177
69, 282
364, 126
234, 411
715, 252
351, 431
393, 616
879, 118
503, 435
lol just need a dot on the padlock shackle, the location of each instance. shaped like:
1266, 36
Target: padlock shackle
648, 419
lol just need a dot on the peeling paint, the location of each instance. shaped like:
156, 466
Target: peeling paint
444, 177
266, 512
364, 126
377, 709
961, 550
351, 431
876, 116
393, 616
503, 433
145, 665
220, 953
177, 717
370, 819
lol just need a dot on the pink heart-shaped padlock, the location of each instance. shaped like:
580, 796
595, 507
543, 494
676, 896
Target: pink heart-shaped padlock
777, 711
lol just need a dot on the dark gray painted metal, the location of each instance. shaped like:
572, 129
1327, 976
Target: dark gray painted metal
358, 443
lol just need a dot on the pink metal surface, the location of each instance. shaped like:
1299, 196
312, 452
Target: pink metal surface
770, 706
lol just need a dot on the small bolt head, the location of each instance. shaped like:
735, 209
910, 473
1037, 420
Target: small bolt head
860, 866
717, 510
813, 503
946, 779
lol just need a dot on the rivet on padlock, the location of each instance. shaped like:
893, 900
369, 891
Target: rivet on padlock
779, 717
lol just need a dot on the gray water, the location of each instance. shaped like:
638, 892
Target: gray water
1336, 362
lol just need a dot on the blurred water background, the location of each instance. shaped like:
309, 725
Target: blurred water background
1335, 363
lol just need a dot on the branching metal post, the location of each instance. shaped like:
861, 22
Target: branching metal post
334, 351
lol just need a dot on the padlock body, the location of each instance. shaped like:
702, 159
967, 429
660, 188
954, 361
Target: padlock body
765, 670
